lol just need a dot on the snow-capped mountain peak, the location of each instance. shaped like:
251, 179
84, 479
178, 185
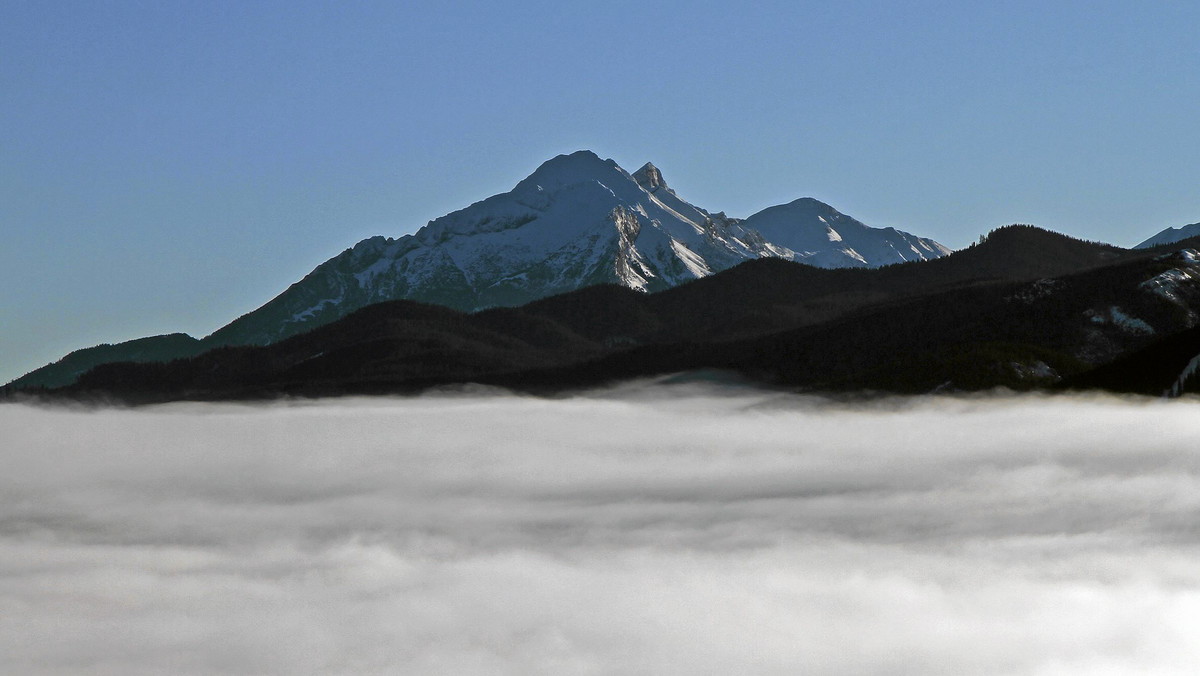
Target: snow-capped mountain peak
577, 220
820, 235
565, 170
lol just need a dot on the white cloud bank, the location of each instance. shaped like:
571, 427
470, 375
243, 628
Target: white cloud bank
639, 532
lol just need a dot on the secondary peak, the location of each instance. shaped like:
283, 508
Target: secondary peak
649, 177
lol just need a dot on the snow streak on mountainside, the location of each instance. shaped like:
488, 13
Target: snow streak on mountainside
1171, 235
577, 220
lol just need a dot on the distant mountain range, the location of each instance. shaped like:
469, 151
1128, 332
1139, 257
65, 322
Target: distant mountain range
575, 222
1171, 235
585, 274
1024, 309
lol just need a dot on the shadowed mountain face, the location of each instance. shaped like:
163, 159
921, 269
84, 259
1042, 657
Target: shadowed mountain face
577, 221
1167, 367
1024, 309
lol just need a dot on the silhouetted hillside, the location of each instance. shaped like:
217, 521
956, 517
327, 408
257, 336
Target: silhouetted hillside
769, 295
153, 349
907, 328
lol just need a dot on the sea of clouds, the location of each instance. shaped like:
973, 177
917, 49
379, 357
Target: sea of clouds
646, 530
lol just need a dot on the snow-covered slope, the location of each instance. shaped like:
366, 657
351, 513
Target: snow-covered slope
1171, 235
577, 220
813, 232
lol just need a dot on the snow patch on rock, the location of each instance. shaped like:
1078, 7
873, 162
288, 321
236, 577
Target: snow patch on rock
1117, 317
1188, 372
1169, 284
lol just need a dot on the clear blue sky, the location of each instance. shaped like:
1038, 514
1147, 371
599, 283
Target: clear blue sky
168, 166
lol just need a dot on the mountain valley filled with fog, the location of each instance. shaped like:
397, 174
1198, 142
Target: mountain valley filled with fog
650, 528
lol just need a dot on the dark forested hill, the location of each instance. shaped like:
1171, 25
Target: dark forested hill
760, 296
153, 349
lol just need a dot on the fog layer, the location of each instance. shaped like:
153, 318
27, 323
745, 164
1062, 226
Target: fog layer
646, 531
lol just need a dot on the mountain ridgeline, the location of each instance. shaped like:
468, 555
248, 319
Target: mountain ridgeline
1024, 309
584, 274
577, 221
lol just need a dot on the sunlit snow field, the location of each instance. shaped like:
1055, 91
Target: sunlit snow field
649, 530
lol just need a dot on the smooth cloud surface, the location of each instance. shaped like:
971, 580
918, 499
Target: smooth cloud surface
642, 531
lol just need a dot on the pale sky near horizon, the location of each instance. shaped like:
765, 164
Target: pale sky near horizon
168, 166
